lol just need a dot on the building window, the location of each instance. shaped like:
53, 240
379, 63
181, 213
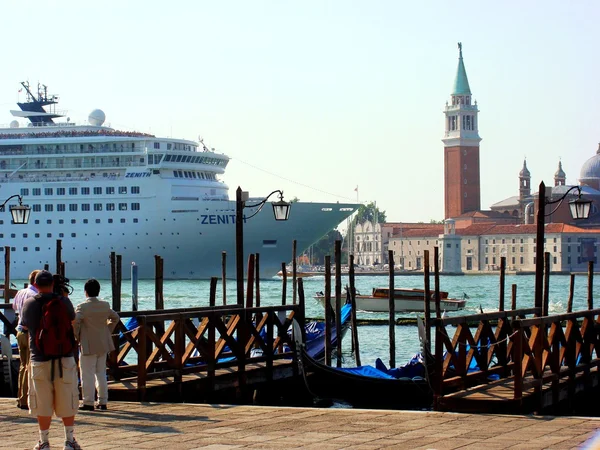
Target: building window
97, 206
122, 206
73, 207
48, 191
48, 208
122, 189
37, 191
85, 191
555, 248
521, 260
554, 260
73, 191
135, 206
60, 207
135, 189
25, 191
60, 191
97, 191
110, 190
37, 208
110, 206
85, 207
513, 260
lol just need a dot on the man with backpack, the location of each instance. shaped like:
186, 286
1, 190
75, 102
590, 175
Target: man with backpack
53, 372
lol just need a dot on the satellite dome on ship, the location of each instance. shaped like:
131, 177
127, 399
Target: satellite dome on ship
590, 171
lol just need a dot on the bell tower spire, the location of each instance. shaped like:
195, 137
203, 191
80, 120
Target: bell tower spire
462, 190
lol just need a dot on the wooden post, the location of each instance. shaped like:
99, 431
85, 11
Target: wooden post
338, 300
355, 343
224, 276
142, 354
284, 283
134, 286
328, 310
590, 295
392, 309
571, 292
257, 277
6, 274
212, 297
502, 281
301, 304
518, 360
250, 283
58, 255
513, 298
113, 280
294, 273
539, 246
158, 283
436, 279
62, 268
427, 300
546, 283
118, 276
438, 361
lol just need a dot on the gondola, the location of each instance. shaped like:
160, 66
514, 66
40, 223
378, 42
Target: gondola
363, 387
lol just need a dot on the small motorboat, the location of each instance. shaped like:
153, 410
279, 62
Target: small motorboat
405, 300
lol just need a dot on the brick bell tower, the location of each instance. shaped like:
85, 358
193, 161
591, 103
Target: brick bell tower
461, 148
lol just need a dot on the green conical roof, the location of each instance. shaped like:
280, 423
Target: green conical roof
461, 83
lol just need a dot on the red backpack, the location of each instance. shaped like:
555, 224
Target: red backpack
55, 337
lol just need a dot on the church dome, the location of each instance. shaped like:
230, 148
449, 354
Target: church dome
560, 173
524, 171
591, 168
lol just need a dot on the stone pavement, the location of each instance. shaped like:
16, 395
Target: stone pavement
189, 426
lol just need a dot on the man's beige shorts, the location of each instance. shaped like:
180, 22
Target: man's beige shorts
60, 396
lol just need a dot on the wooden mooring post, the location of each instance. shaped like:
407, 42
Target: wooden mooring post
327, 310
250, 285
392, 310
257, 278
59, 255
7, 274
502, 282
134, 286
159, 300
212, 296
354, 324
427, 299
513, 297
590, 291
436, 280
224, 276
283, 283
545, 305
294, 273
571, 292
116, 298
338, 301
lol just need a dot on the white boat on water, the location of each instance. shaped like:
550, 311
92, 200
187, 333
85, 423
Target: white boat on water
100, 190
405, 300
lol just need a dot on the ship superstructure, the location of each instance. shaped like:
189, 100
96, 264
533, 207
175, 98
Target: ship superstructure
101, 190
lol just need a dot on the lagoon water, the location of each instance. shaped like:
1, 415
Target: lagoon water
482, 290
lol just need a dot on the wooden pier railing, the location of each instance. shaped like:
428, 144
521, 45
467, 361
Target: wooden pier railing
8, 320
521, 364
172, 343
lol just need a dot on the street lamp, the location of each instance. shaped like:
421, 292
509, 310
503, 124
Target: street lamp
20, 213
281, 211
579, 208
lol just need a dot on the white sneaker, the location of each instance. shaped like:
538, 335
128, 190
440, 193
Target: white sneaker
42, 446
71, 445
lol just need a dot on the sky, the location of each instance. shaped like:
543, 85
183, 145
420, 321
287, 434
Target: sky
318, 97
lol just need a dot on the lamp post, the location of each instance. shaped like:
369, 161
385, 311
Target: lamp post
281, 211
20, 213
579, 208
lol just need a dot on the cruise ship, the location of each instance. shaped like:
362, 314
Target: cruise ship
101, 190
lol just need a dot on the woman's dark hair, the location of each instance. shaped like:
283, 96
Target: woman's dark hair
92, 287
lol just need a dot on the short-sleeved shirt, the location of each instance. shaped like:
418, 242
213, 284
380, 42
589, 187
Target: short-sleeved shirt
31, 317
19, 301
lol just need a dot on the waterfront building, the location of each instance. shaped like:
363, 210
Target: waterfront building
479, 247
